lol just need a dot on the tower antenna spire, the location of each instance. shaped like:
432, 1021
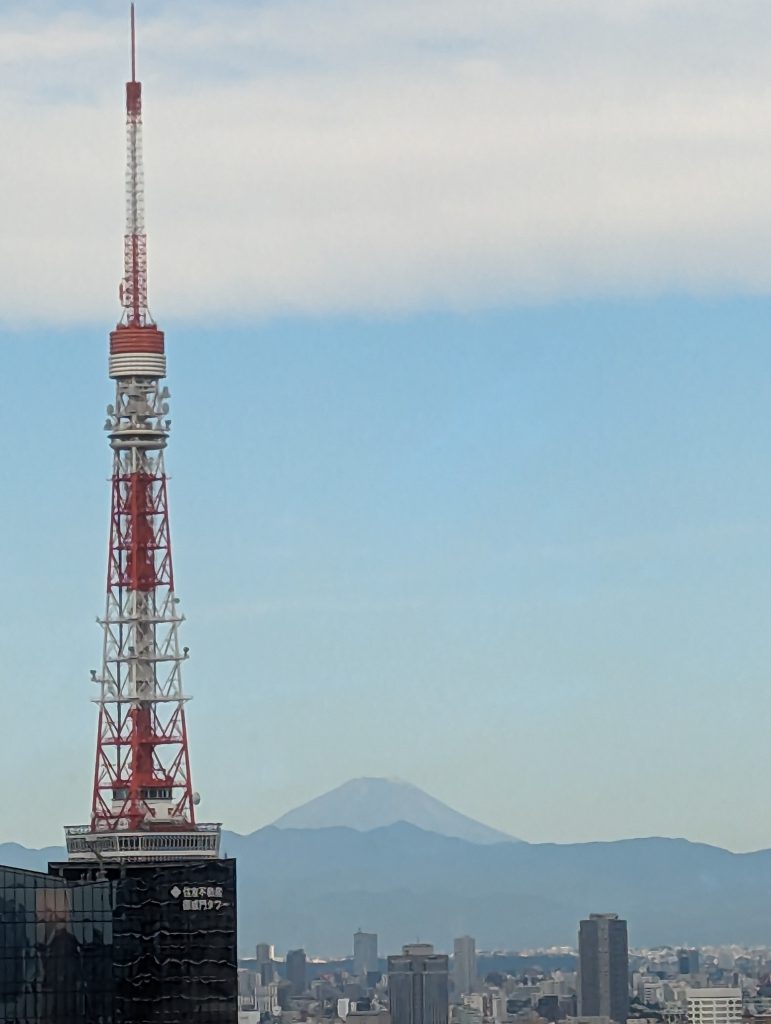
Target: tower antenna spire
133, 290
133, 47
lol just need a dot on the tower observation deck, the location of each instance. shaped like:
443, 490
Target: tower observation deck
143, 803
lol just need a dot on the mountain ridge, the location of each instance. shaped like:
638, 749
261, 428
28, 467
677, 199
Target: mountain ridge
400, 880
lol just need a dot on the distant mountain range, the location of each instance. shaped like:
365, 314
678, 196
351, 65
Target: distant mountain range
366, 804
314, 886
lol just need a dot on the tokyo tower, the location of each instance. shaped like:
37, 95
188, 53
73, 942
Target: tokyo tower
143, 804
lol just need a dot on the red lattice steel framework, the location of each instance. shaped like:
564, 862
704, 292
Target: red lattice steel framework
142, 774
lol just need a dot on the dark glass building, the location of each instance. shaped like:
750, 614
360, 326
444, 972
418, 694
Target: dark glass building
125, 944
297, 971
688, 961
418, 986
603, 967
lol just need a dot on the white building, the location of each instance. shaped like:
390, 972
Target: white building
475, 1002
714, 1005
498, 1005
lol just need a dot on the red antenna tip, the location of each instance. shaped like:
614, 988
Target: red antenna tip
133, 48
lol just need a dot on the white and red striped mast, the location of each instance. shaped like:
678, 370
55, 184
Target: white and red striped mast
143, 803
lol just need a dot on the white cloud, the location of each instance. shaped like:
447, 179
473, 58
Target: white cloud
341, 155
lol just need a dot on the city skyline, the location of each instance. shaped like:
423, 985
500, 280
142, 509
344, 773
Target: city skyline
507, 509
605, 983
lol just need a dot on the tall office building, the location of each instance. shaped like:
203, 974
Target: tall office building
603, 974
364, 953
265, 957
688, 961
296, 971
464, 965
418, 986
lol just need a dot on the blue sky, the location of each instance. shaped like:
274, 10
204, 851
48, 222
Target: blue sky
470, 385
518, 557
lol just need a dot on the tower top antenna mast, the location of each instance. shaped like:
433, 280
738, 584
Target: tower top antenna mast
133, 289
133, 48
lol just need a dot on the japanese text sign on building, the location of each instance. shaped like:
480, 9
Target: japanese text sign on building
199, 897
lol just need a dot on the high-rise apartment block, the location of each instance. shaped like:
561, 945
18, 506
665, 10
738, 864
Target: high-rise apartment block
365, 958
418, 986
464, 965
714, 1005
603, 977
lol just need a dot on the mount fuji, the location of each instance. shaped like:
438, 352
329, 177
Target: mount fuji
370, 803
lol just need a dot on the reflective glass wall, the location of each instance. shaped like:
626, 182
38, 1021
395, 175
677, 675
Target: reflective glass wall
55, 950
175, 944
148, 944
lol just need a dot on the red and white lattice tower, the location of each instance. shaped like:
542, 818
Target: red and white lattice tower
143, 802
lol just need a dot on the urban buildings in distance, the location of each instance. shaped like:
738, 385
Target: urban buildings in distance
664, 985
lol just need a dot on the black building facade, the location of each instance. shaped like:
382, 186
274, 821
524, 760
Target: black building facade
688, 961
297, 971
127, 944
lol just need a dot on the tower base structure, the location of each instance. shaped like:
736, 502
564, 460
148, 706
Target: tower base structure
111, 942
